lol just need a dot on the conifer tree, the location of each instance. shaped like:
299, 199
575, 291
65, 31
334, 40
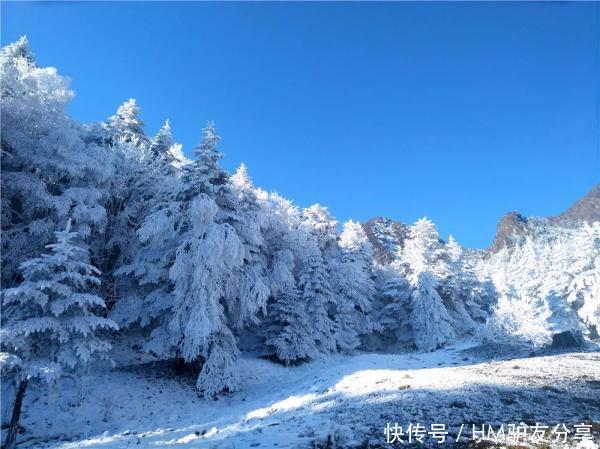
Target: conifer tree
319, 253
52, 325
245, 214
356, 288
464, 294
126, 124
288, 335
394, 306
49, 171
317, 294
429, 317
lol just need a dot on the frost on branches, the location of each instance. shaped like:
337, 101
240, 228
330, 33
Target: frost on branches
51, 323
353, 273
287, 338
431, 293
547, 284
50, 171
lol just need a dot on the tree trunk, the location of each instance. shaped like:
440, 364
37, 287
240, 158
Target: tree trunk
11, 437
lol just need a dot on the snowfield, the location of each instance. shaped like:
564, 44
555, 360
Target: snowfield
344, 401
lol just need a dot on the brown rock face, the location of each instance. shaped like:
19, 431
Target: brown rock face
587, 209
510, 227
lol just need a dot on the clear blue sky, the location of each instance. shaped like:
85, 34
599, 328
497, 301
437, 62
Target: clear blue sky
457, 111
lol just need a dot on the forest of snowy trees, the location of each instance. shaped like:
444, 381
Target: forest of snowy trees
112, 237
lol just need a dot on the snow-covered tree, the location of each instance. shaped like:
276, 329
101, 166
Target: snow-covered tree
49, 171
466, 296
162, 142
145, 174
208, 272
429, 317
209, 291
146, 301
317, 293
283, 329
320, 250
423, 250
126, 124
584, 288
283, 223
287, 335
206, 174
423, 253
546, 283
322, 225
245, 214
52, 325
204, 260
355, 287
163, 148
393, 306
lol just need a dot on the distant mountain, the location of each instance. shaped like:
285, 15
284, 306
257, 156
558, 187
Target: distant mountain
514, 226
387, 237
511, 225
587, 209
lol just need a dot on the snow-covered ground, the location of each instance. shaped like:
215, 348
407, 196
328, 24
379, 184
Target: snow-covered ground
346, 399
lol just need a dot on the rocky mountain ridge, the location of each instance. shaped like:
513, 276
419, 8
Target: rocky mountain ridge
387, 236
513, 226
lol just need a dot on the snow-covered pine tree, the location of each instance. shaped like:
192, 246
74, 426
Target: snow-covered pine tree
584, 288
205, 173
283, 330
355, 287
144, 175
50, 320
205, 269
520, 313
245, 214
423, 250
161, 144
199, 329
393, 306
201, 273
479, 290
314, 276
126, 124
163, 148
49, 171
545, 283
429, 317
146, 301
463, 293
287, 325
317, 295
555, 262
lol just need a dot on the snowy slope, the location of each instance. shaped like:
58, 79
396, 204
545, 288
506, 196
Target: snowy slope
352, 397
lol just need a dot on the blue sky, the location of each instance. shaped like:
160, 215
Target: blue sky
455, 111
